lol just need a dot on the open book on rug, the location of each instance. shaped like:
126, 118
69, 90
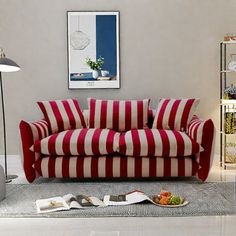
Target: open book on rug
67, 202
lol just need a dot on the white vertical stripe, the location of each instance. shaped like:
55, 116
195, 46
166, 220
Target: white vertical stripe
86, 117
116, 167
166, 116
179, 114
34, 132
188, 167
97, 116
78, 123
103, 141
64, 115
193, 109
159, 167
187, 144
160, 104
88, 142
143, 143
109, 120
134, 115
44, 145
145, 167
174, 167
51, 116
122, 116
102, 167
44, 167
87, 167
173, 143
58, 143
73, 167
130, 167
73, 142
58, 167
116, 142
158, 142
39, 125
129, 143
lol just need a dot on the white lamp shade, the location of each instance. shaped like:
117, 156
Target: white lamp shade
7, 65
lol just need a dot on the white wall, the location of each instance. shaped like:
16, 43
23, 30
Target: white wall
169, 48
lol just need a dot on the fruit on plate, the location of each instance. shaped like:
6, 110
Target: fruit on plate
166, 198
165, 193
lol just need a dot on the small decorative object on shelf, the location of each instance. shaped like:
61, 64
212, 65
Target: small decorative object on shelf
230, 92
230, 37
230, 152
95, 66
229, 123
232, 63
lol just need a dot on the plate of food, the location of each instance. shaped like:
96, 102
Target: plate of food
167, 199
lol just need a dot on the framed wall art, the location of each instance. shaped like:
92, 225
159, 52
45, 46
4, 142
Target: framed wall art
93, 49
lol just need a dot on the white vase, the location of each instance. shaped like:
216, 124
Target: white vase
95, 74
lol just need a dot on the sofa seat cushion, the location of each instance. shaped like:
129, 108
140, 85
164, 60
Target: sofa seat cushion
154, 142
79, 142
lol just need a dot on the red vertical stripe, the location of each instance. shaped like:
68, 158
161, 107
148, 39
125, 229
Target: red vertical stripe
51, 167
140, 114
94, 167
195, 132
161, 114
136, 142
109, 164
95, 141
57, 115
80, 141
167, 166
80, 167
151, 142
152, 166
110, 142
123, 166
128, 115
83, 123
165, 143
69, 113
122, 144
52, 143
179, 142
43, 109
185, 115
172, 115
115, 119
66, 142
181, 166
138, 167
103, 115
65, 167
92, 106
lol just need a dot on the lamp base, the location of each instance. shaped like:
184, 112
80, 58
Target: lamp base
9, 178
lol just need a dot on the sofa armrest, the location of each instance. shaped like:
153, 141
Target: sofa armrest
203, 132
30, 132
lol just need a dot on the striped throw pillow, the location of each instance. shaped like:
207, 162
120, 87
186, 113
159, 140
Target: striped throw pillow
62, 114
118, 115
157, 142
79, 142
174, 114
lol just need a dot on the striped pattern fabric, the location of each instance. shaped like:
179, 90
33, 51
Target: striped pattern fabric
115, 167
31, 132
204, 133
174, 114
118, 115
154, 142
79, 142
62, 114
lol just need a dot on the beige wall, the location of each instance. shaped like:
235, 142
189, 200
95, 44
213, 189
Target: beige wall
169, 48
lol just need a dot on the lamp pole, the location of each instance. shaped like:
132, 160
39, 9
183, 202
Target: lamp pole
4, 130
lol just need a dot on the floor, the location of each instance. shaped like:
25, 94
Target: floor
215, 225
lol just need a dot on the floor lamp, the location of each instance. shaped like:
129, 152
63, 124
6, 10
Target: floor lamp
6, 65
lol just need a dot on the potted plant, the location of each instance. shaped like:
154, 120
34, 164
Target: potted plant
95, 65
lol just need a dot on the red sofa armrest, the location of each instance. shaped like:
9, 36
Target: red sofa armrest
203, 132
30, 132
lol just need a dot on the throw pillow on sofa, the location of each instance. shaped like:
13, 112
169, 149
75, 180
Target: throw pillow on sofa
154, 142
174, 114
119, 115
62, 114
79, 142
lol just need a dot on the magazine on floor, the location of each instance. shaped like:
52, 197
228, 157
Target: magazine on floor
135, 196
67, 202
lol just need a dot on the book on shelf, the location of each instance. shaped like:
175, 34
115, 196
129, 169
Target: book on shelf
67, 202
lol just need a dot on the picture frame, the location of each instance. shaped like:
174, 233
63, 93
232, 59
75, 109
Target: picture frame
93, 49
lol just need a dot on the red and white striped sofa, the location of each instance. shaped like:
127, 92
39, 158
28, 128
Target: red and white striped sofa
117, 154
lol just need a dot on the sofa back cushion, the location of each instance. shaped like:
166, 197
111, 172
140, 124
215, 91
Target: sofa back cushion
83, 142
174, 114
118, 115
62, 114
154, 142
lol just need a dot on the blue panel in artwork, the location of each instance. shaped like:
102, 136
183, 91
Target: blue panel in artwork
106, 41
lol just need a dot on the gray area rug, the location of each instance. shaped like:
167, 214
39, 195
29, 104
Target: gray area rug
205, 199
